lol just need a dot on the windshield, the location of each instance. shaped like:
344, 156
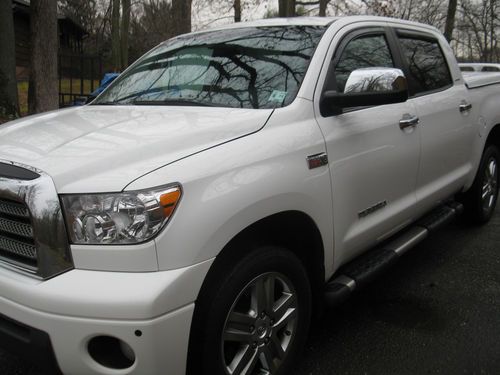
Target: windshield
259, 67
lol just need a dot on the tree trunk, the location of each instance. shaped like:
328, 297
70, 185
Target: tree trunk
237, 10
43, 92
124, 32
286, 8
115, 36
290, 8
9, 108
181, 12
450, 20
322, 7
492, 30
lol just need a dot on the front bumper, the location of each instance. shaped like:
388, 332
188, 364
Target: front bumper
79, 305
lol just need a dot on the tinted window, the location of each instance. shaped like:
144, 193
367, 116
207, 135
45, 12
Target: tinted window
490, 69
248, 68
365, 52
427, 64
466, 68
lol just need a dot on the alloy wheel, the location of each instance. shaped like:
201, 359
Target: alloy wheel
260, 326
490, 182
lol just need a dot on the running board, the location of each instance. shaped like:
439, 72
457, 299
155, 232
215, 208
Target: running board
364, 269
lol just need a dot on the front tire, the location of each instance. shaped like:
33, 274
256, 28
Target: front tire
253, 318
480, 201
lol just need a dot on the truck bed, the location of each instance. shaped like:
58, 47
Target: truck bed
475, 80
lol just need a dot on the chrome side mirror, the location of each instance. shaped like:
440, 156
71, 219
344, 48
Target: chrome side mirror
367, 87
372, 80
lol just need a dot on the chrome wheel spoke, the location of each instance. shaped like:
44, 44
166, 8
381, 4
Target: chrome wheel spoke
240, 321
275, 344
281, 307
244, 362
486, 192
263, 295
289, 315
269, 363
235, 335
492, 168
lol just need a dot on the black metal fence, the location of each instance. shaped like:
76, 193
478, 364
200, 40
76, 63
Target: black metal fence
79, 75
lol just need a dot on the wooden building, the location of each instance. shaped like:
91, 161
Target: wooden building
71, 36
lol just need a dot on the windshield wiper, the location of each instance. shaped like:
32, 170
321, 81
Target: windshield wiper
185, 102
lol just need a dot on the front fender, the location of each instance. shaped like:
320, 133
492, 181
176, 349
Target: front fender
230, 187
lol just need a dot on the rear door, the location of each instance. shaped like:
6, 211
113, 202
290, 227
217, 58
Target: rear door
443, 108
373, 161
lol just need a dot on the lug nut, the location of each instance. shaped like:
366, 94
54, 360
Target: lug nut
263, 314
252, 328
254, 345
288, 333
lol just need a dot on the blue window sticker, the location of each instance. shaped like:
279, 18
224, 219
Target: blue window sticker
277, 96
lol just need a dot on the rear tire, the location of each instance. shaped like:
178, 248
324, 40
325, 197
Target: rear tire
481, 199
253, 318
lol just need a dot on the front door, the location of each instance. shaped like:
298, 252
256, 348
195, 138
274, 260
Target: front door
373, 159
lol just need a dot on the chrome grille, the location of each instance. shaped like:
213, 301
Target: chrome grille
33, 238
14, 227
11, 208
16, 234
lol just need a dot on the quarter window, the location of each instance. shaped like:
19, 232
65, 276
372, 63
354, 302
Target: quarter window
364, 52
428, 67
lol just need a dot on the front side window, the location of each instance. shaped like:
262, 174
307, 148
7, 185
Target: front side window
258, 67
367, 51
427, 65
466, 69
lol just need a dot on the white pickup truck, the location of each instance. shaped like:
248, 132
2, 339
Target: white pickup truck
200, 211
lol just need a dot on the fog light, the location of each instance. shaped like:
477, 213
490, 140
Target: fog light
111, 352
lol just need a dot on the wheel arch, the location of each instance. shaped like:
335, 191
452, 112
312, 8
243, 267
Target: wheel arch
294, 230
494, 136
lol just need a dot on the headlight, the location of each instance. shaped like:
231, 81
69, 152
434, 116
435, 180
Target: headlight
119, 218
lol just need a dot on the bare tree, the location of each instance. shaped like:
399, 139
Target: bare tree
322, 7
8, 87
181, 13
115, 35
124, 32
450, 19
286, 8
481, 20
43, 84
237, 10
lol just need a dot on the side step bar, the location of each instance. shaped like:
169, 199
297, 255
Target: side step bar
364, 269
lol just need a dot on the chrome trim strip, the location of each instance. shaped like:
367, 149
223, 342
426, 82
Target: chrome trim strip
408, 240
49, 230
345, 280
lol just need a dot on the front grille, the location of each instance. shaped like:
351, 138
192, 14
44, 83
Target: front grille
17, 243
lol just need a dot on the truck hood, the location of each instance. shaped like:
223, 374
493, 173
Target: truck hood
104, 148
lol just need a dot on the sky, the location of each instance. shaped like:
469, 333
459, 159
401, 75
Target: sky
221, 12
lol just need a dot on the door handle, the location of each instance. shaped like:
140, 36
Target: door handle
408, 121
464, 107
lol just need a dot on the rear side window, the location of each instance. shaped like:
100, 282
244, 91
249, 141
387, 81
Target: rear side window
428, 68
490, 69
364, 52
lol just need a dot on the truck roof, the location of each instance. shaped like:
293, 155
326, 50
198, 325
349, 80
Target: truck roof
313, 21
